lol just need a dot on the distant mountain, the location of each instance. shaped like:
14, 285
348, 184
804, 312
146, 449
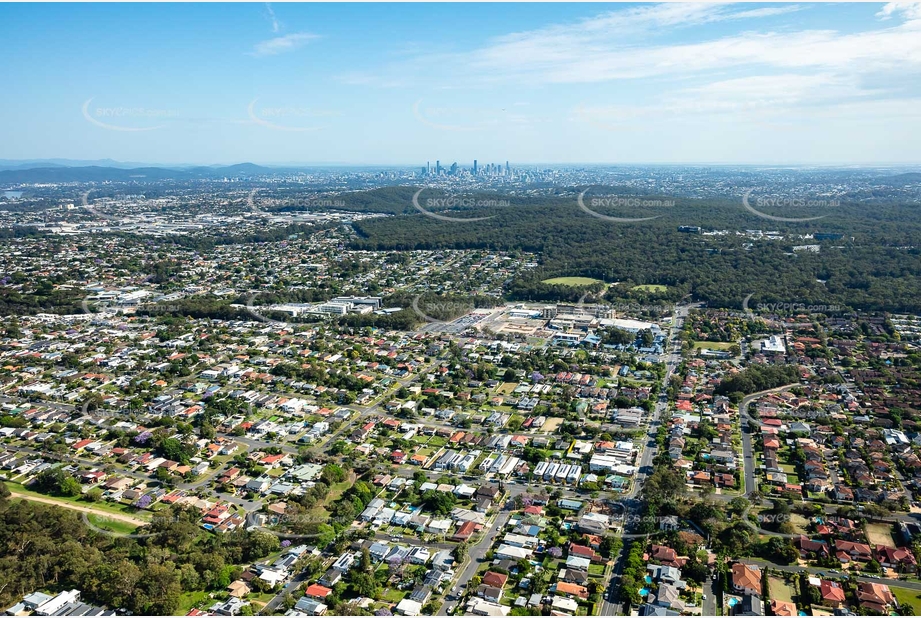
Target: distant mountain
88, 174
902, 179
244, 169
96, 173
22, 164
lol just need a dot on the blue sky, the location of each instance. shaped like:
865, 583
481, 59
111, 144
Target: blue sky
401, 84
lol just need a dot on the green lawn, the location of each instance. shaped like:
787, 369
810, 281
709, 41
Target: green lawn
191, 600
790, 471
573, 281
260, 600
596, 569
650, 288
393, 595
712, 345
112, 525
337, 489
102, 505
908, 597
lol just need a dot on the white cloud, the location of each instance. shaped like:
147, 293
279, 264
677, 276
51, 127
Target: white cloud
911, 10
599, 50
282, 44
274, 20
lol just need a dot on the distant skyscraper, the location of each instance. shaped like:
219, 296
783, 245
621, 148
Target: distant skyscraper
454, 168
507, 171
474, 167
437, 167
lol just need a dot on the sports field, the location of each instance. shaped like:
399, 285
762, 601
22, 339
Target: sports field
573, 281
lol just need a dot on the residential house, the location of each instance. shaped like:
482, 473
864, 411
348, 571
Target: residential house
746, 579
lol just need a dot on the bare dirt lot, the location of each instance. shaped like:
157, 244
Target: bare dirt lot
879, 534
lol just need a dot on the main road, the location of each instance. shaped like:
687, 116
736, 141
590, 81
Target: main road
792, 568
748, 453
475, 556
633, 505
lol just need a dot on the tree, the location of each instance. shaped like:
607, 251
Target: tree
438, 502
609, 546
664, 484
332, 474
173, 449
57, 482
260, 544
158, 590
364, 584
460, 552
70, 487
738, 506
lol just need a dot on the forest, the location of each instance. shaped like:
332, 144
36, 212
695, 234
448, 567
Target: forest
51, 548
874, 265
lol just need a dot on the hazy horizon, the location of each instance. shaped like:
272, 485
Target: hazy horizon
290, 164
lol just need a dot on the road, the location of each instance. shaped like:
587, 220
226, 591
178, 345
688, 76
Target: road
414, 542
475, 555
287, 589
708, 605
83, 509
911, 585
673, 359
748, 453
632, 504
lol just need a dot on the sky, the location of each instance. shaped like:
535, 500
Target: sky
402, 84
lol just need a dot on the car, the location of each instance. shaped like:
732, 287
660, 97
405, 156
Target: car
705, 597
